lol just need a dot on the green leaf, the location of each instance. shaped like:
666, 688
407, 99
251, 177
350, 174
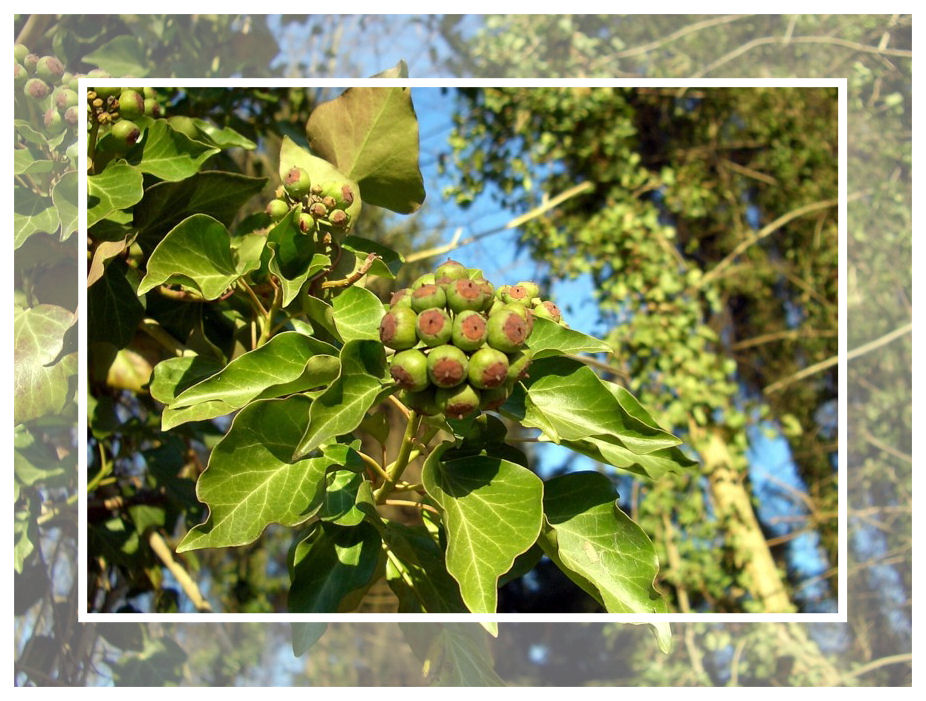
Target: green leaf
113, 309
117, 187
416, 572
290, 255
33, 461
319, 170
341, 408
172, 376
568, 401
357, 313
288, 363
169, 155
32, 214
222, 137
252, 481
40, 379
334, 567
591, 537
196, 253
64, 197
216, 193
549, 338
25, 163
386, 265
305, 635
492, 511
453, 654
25, 533
124, 55
371, 134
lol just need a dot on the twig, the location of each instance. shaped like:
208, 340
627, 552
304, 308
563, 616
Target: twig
735, 662
189, 587
414, 504
179, 295
550, 204
354, 276
882, 662
157, 332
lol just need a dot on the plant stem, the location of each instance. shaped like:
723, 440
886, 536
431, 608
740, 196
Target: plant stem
266, 325
395, 470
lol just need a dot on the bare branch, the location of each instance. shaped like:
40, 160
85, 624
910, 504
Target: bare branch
189, 587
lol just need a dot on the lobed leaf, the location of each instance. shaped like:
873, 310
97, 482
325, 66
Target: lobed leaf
357, 314
119, 186
168, 154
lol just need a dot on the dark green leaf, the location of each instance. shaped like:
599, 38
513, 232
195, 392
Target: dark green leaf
453, 654
119, 186
305, 635
291, 256
416, 572
386, 265
168, 154
113, 309
334, 567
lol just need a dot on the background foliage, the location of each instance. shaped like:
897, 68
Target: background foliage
663, 198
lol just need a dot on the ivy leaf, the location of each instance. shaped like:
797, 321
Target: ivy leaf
305, 635
453, 654
32, 214
217, 193
119, 186
334, 567
549, 338
113, 309
124, 55
196, 253
319, 170
568, 401
64, 197
290, 362
290, 255
222, 137
252, 481
40, 380
371, 134
173, 375
386, 264
347, 491
341, 408
169, 155
492, 511
591, 537
357, 313
416, 571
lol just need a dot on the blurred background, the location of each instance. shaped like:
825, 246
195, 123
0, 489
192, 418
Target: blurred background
701, 242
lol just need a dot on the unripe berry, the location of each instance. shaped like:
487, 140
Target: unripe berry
49, 68
131, 104
30, 62
409, 369
125, 133
318, 210
306, 222
72, 115
152, 108
494, 398
469, 330
401, 298
507, 330
447, 366
339, 218
488, 290
277, 209
428, 297
422, 402
149, 93
20, 74
20, 52
458, 402
451, 270
347, 196
53, 121
548, 310
426, 279
465, 294
434, 327
397, 328
36, 88
533, 289
64, 98
488, 368
518, 363
297, 182
524, 312
517, 294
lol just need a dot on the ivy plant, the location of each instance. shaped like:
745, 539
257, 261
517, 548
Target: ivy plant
267, 348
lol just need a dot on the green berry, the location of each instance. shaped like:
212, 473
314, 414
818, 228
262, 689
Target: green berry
517, 294
64, 98
277, 209
434, 327
518, 363
49, 68
131, 104
72, 115
125, 133
447, 366
489, 290
458, 402
397, 328
494, 398
297, 182
469, 330
409, 369
523, 312
426, 279
318, 210
54, 123
422, 402
152, 107
306, 222
339, 218
507, 330
548, 310
20, 52
36, 88
401, 298
428, 297
451, 270
30, 61
20, 74
465, 294
488, 368
533, 289
149, 93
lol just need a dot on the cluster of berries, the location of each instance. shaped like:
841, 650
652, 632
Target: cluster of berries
461, 343
116, 107
321, 206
